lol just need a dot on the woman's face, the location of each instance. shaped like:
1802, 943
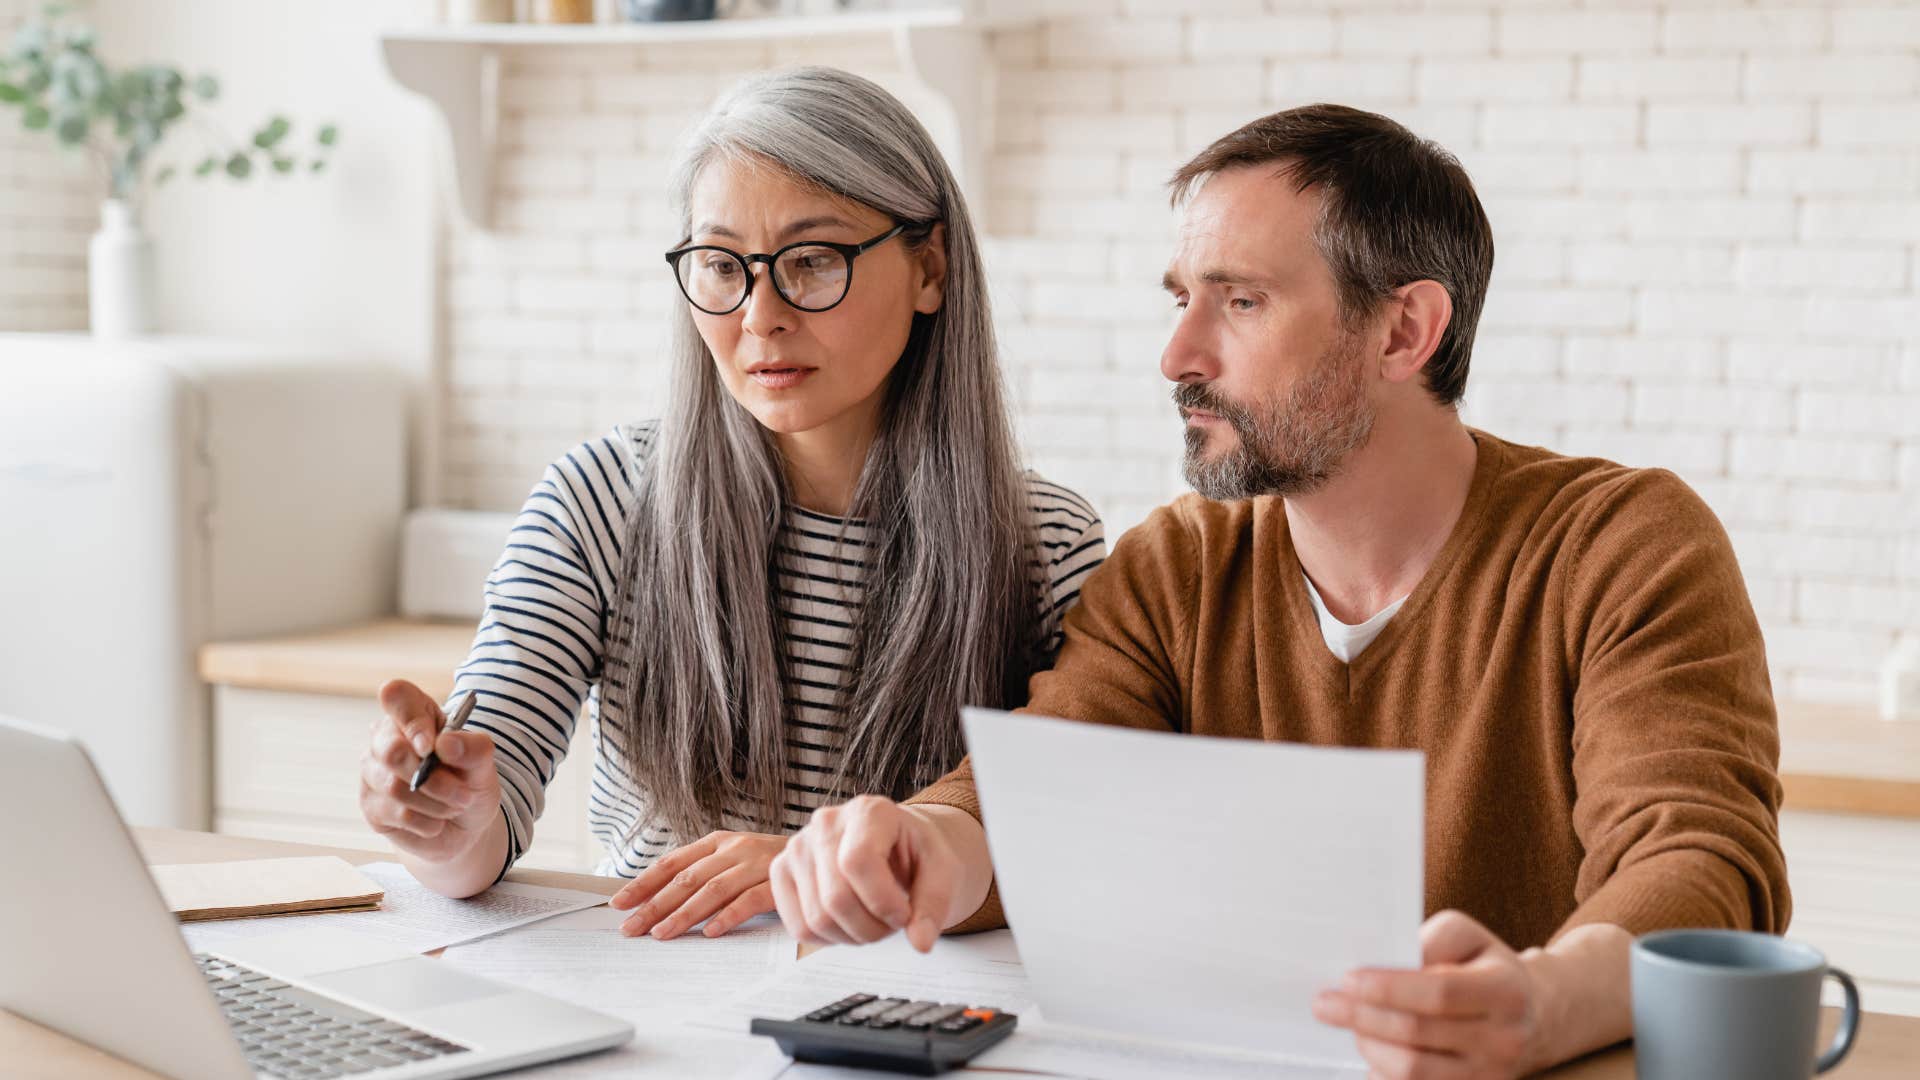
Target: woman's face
799, 371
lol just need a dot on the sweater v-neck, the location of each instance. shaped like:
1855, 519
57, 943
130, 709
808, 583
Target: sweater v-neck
1304, 624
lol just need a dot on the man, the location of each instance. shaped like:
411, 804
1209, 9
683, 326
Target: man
1569, 641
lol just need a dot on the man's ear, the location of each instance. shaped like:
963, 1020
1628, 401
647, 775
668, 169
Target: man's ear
932, 257
1416, 318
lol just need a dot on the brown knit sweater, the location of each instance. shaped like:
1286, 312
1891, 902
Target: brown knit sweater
1581, 666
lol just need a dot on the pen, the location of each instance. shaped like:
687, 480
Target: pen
427, 763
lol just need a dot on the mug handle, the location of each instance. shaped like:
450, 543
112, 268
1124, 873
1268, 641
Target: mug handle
1849, 1023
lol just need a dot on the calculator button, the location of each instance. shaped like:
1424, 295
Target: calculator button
873, 1008
982, 1015
922, 1020
960, 1023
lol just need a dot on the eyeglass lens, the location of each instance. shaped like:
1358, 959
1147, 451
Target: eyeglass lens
812, 277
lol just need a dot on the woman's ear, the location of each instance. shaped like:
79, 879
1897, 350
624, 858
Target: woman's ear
932, 260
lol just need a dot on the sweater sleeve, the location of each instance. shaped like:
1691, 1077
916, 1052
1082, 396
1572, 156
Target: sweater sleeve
1124, 645
538, 651
1675, 742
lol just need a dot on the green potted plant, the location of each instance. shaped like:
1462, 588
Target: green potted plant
51, 73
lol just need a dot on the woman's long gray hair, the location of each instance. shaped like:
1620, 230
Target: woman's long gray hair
697, 657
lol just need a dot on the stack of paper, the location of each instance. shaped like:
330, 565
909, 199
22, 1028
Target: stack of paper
239, 890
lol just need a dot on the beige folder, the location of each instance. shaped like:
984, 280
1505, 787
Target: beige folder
238, 890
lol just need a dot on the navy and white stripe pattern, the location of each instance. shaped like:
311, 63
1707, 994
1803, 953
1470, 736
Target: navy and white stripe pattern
538, 653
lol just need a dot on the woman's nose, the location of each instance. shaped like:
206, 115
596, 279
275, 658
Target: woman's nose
765, 312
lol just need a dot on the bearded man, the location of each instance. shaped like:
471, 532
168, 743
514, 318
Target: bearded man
1568, 641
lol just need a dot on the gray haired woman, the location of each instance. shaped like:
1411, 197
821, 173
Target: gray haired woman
779, 595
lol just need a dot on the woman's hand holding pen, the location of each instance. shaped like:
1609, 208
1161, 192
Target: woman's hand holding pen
455, 805
721, 878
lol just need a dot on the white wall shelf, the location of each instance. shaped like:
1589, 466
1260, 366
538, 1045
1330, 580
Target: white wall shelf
943, 49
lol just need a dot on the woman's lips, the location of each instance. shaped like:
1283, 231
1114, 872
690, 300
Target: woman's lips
781, 378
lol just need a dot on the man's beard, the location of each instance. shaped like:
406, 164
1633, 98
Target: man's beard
1291, 445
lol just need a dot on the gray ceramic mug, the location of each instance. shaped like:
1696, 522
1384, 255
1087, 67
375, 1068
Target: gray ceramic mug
1730, 1005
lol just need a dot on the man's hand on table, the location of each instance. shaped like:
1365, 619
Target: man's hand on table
861, 871
1476, 1010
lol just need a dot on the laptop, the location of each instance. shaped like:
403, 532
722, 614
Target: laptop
88, 948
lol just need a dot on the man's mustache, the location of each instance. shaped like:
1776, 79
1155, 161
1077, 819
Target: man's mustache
1203, 397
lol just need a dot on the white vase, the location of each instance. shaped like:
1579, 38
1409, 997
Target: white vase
120, 274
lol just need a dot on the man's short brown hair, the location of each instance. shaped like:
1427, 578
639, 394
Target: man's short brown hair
1397, 209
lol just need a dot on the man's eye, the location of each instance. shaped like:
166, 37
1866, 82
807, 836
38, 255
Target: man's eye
1243, 303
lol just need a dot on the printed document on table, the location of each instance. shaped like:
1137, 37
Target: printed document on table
583, 958
1197, 890
411, 915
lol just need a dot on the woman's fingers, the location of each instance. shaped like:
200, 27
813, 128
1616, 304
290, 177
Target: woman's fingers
655, 877
675, 892
415, 715
755, 901
719, 891
385, 787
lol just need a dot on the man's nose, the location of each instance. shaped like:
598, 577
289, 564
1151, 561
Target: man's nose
1191, 354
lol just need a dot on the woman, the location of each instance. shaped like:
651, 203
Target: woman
780, 595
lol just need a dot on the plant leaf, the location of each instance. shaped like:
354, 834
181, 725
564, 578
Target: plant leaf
12, 94
329, 135
239, 167
206, 166
319, 165
206, 88
283, 165
275, 130
72, 128
36, 118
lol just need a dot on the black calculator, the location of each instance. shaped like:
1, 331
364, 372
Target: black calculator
896, 1034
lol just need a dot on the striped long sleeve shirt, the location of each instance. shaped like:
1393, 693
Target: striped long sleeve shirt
537, 656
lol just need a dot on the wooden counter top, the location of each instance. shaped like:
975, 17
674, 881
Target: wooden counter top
1845, 759
352, 661
1836, 759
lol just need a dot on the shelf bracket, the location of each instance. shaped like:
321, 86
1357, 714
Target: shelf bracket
462, 81
950, 63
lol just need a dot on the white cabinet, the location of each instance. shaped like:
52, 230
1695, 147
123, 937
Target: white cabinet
1856, 897
291, 719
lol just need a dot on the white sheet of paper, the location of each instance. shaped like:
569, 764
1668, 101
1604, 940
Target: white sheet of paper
1200, 890
411, 915
1059, 1050
653, 985
978, 969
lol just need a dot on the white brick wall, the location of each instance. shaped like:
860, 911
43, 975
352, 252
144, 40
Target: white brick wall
1707, 213
49, 205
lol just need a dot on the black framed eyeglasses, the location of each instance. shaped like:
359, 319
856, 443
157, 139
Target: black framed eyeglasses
812, 275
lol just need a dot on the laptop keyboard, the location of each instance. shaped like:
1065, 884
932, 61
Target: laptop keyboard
301, 1035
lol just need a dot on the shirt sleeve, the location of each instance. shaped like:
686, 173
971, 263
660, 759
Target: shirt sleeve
538, 651
1675, 741
1121, 647
1072, 542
